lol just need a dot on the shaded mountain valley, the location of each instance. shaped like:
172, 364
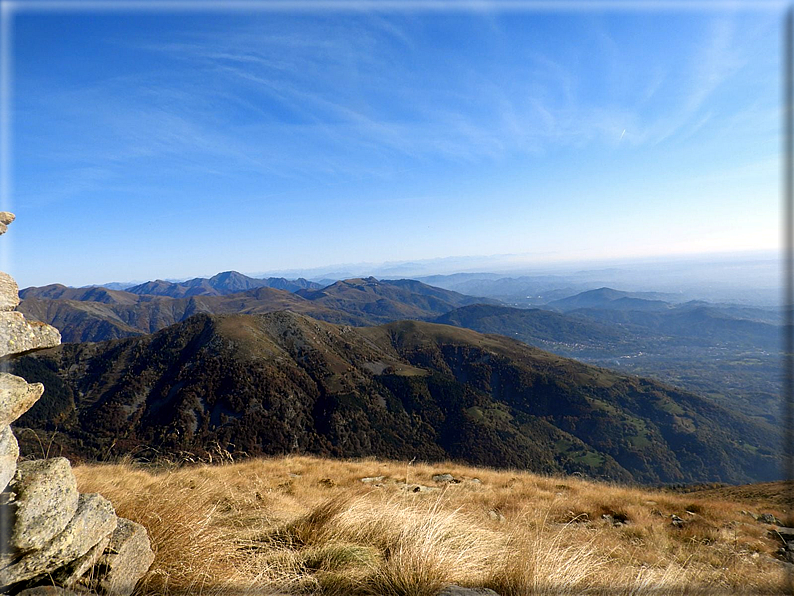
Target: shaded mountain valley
286, 383
730, 354
727, 352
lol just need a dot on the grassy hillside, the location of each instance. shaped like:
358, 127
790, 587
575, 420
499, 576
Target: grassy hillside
298, 525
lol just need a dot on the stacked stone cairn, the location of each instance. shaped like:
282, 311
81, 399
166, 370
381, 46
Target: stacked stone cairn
53, 540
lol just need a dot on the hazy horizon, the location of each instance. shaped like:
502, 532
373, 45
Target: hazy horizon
496, 265
749, 277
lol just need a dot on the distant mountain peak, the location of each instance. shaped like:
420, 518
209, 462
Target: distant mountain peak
228, 275
221, 284
605, 292
610, 298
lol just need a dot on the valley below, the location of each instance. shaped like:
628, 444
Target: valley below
286, 383
729, 352
400, 369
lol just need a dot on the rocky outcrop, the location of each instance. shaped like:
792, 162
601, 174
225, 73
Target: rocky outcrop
125, 560
53, 539
16, 397
94, 520
18, 336
5, 219
9, 452
9, 292
46, 498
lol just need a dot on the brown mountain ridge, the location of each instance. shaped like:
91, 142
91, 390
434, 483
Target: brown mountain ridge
97, 314
283, 382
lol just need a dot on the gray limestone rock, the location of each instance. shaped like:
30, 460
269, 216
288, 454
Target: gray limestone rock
496, 516
9, 292
69, 575
443, 478
18, 335
126, 560
94, 520
45, 499
768, 518
9, 452
16, 397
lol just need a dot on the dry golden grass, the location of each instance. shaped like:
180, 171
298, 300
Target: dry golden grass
302, 525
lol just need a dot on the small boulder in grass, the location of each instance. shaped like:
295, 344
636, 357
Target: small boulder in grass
441, 478
496, 516
371, 479
768, 518
785, 534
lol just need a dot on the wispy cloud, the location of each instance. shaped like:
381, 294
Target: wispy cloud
360, 96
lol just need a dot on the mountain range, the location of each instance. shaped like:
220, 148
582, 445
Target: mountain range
283, 382
228, 282
729, 353
607, 298
96, 314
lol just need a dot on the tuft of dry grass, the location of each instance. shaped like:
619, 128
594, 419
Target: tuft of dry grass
278, 526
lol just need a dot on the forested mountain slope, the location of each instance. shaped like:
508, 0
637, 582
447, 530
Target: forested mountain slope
284, 382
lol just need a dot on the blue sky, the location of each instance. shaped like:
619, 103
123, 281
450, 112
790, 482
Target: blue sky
163, 144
